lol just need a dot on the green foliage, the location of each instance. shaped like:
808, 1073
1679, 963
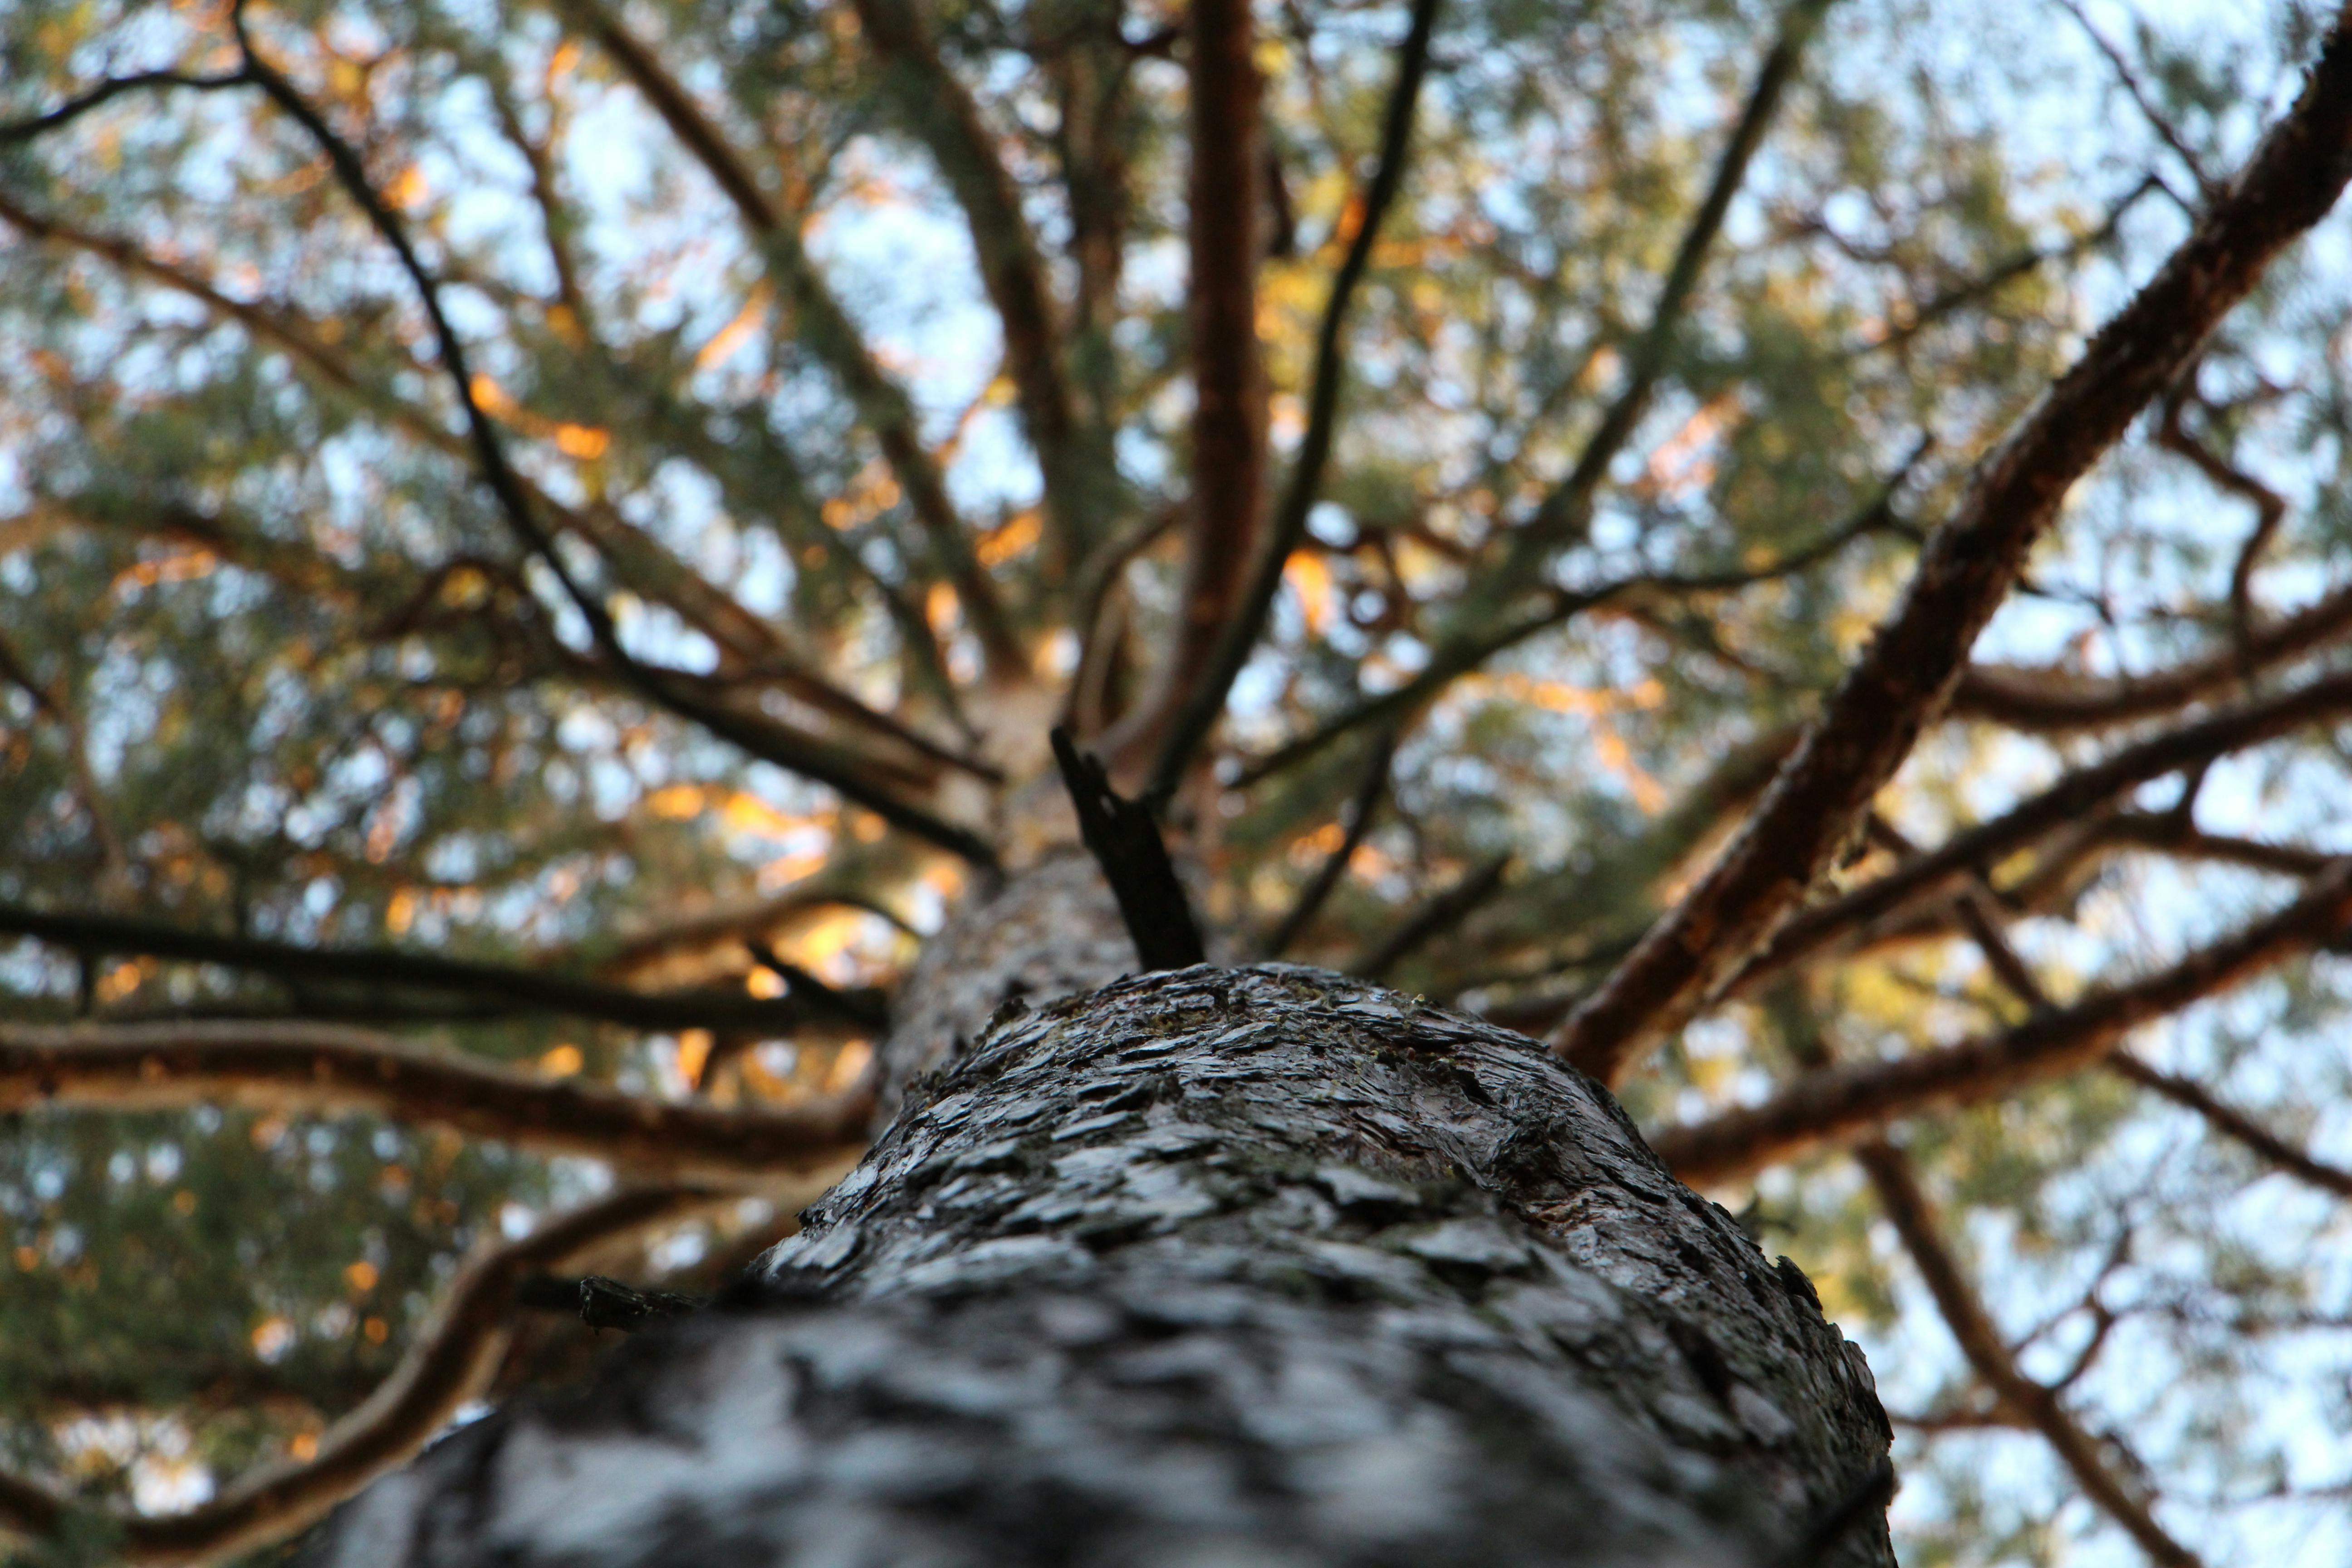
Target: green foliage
272, 662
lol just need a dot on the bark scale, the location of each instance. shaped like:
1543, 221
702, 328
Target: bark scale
1249, 1266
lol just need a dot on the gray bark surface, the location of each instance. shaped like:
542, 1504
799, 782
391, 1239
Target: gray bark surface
1255, 1267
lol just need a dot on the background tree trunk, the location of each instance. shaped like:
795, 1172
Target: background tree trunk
1216, 1266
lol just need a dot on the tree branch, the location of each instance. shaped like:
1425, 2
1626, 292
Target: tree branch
74, 108
1989, 284
1436, 917
862, 1007
1903, 679
652, 569
731, 924
881, 403
1568, 508
1914, 1218
2070, 799
1229, 432
1125, 841
2129, 80
2231, 1123
1243, 620
316, 1069
2270, 507
934, 101
1362, 807
757, 737
1840, 1104
499, 987
1452, 660
2170, 834
1980, 916
2049, 701
450, 1362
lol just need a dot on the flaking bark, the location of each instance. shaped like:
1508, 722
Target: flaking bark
1255, 1266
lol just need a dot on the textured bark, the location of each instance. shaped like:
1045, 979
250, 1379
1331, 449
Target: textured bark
1255, 1266
1051, 933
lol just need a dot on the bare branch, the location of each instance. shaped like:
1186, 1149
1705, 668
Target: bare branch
1905, 676
1124, 839
1840, 1104
935, 102
2233, 1123
881, 403
2270, 507
498, 987
2055, 702
1981, 918
1991, 282
1362, 807
1914, 1218
1243, 620
2129, 80
1436, 917
2070, 799
757, 736
75, 108
450, 1362
323, 1069
2184, 840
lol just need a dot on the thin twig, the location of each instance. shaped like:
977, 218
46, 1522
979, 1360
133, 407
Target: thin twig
2233, 1123
1840, 1104
1914, 1218
1196, 712
74, 108
1362, 806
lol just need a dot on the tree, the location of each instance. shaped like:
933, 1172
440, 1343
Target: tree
544, 546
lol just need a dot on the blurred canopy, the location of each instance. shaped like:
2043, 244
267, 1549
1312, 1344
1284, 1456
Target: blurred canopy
557, 531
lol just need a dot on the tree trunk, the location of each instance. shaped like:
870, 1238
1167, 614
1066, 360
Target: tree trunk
1255, 1265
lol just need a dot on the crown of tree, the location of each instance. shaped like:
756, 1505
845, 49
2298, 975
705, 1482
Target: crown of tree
1790, 552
